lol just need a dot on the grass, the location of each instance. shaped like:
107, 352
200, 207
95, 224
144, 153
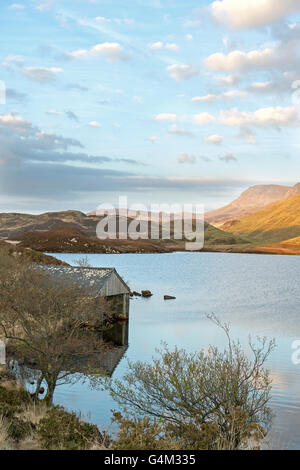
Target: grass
29, 425
275, 223
5, 441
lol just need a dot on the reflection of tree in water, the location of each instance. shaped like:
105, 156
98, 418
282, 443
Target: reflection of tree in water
114, 344
54, 327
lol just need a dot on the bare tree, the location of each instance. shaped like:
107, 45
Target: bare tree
47, 323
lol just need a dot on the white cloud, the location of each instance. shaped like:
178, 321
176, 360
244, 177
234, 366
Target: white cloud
12, 61
113, 51
237, 61
228, 80
214, 139
94, 124
243, 14
204, 99
181, 72
52, 112
172, 47
155, 46
228, 95
204, 118
164, 117
185, 158
181, 132
17, 6
153, 139
46, 5
41, 74
118, 21
234, 94
264, 117
189, 37
16, 123
260, 85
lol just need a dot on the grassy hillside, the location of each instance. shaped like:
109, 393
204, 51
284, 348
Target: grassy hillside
28, 254
275, 223
216, 236
293, 241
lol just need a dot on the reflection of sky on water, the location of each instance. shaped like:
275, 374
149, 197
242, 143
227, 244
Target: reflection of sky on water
258, 295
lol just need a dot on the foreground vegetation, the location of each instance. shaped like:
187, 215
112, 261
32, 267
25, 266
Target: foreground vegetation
27, 424
197, 401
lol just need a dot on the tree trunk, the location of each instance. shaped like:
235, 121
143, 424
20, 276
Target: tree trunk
51, 383
38, 386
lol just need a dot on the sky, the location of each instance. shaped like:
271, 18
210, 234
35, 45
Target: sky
162, 101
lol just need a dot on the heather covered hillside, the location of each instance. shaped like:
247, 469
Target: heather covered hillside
275, 223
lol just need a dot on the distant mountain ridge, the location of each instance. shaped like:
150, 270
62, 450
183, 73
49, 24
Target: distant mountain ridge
74, 231
250, 201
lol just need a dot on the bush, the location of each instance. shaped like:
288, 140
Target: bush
142, 434
207, 400
12, 401
20, 429
63, 430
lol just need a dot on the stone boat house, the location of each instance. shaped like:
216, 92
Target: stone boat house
104, 282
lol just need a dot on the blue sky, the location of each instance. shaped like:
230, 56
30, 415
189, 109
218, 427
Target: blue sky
163, 101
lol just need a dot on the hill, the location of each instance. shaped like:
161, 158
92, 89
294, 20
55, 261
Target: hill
71, 240
12, 225
275, 223
250, 201
29, 255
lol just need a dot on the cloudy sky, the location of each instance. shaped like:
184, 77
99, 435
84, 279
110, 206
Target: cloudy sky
165, 101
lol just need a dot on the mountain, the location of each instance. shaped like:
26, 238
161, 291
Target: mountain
250, 201
294, 190
275, 223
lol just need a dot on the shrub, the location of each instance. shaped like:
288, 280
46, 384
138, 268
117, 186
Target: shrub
142, 434
12, 401
20, 429
206, 400
63, 430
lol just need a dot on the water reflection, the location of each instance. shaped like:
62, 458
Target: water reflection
109, 359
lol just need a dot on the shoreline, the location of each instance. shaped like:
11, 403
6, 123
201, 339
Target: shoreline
253, 251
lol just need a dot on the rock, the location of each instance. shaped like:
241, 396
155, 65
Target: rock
122, 318
146, 293
134, 293
169, 297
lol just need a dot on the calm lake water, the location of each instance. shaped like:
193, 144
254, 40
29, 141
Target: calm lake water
257, 294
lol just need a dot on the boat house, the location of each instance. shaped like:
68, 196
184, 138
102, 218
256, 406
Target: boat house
104, 282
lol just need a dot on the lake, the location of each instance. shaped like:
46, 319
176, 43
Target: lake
257, 294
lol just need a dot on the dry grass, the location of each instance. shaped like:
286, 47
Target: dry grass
33, 413
5, 443
277, 216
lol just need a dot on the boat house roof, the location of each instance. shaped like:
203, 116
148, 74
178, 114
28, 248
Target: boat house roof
104, 281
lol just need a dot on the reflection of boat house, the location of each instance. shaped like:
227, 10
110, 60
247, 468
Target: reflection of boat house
104, 282
118, 336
